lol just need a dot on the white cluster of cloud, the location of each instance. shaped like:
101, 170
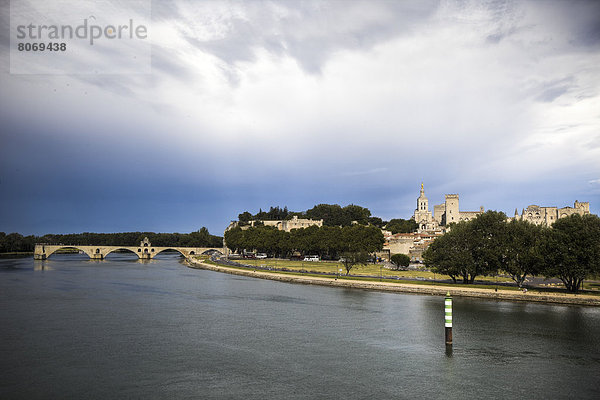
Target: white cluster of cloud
481, 90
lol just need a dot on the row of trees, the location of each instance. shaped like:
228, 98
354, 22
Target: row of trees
326, 241
335, 215
274, 214
15, 242
487, 245
332, 215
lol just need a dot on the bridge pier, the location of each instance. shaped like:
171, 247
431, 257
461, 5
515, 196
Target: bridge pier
39, 252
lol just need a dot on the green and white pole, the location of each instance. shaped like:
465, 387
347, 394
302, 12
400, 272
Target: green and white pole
448, 324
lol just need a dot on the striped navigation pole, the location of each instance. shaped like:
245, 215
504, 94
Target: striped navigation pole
448, 325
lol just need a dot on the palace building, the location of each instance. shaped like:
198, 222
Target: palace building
282, 225
548, 215
443, 214
432, 225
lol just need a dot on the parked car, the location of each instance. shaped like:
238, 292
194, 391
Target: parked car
261, 255
311, 258
250, 255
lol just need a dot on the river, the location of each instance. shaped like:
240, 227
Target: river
121, 328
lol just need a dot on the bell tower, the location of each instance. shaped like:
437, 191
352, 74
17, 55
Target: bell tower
422, 214
422, 201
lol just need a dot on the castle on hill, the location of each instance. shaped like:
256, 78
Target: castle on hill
548, 215
443, 214
433, 225
449, 212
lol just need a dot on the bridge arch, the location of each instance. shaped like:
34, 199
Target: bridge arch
112, 250
69, 247
210, 252
166, 249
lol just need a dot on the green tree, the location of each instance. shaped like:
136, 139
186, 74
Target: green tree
245, 217
335, 215
352, 258
399, 225
376, 221
359, 238
400, 260
331, 214
234, 239
572, 250
522, 256
450, 255
487, 232
470, 249
353, 213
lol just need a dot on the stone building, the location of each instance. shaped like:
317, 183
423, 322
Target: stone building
546, 216
282, 225
431, 226
412, 244
294, 223
443, 214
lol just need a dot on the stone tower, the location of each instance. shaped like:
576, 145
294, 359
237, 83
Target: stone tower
422, 214
452, 212
422, 201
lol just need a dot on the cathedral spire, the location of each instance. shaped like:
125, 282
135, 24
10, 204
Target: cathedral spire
422, 190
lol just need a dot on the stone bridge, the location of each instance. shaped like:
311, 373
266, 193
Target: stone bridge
144, 251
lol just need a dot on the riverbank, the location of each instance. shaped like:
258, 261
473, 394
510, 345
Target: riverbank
430, 289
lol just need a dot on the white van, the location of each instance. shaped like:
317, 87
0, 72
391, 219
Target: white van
311, 258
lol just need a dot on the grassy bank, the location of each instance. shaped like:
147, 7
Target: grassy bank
333, 267
543, 294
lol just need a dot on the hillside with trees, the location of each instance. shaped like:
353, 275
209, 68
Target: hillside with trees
332, 215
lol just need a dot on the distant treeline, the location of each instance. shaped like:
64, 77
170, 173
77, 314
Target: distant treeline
15, 242
332, 215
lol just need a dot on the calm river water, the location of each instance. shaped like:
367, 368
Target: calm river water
120, 328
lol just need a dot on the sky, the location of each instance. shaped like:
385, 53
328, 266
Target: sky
251, 104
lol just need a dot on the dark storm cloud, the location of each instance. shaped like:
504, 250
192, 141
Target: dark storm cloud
458, 94
584, 18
